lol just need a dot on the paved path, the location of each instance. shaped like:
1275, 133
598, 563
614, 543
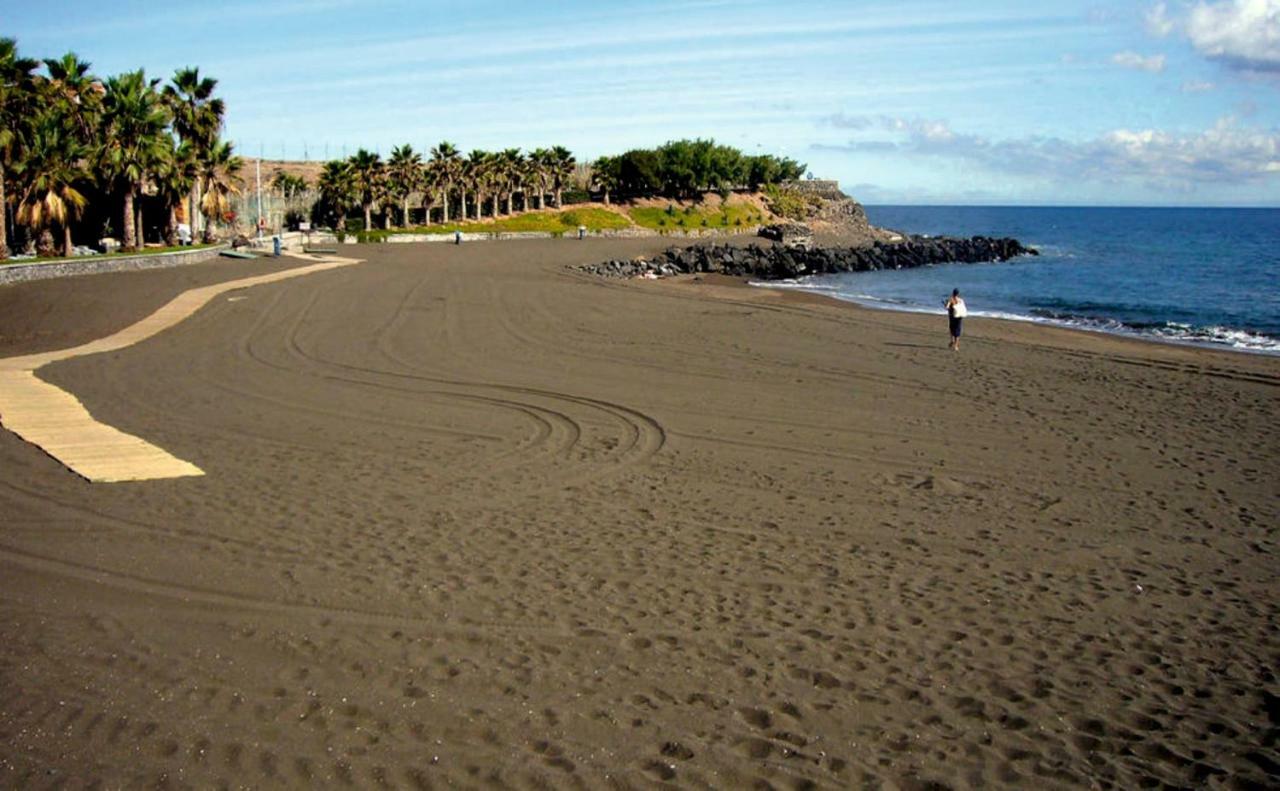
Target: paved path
56, 421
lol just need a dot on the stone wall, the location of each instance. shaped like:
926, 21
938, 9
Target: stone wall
824, 188
92, 265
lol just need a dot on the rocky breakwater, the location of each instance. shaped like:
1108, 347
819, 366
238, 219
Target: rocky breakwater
783, 262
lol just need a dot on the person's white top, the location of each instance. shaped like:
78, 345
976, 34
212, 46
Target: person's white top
958, 309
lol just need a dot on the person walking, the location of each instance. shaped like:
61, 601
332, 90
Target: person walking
956, 311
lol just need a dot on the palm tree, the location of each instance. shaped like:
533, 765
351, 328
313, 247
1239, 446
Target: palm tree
606, 172
478, 173
197, 118
288, 185
447, 162
337, 189
367, 170
134, 122
404, 170
219, 172
431, 185
79, 93
540, 172
53, 164
16, 99
173, 179
561, 170
509, 167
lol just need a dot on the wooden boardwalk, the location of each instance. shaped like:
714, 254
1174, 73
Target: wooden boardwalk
56, 422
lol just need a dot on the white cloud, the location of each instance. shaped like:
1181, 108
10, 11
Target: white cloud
1226, 153
1242, 34
1158, 22
1132, 60
1197, 86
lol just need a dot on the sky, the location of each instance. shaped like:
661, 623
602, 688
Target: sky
976, 102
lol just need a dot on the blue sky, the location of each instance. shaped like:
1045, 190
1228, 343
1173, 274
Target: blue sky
985, 101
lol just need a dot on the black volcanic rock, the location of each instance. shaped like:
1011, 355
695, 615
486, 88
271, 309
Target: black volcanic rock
787, 262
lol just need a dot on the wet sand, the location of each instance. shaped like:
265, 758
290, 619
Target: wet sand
472, 519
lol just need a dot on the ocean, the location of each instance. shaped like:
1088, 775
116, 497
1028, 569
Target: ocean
1200, 276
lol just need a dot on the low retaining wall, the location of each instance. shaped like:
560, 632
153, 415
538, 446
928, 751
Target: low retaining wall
616, 233
92, 265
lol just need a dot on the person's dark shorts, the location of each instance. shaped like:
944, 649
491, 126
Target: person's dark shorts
955, 326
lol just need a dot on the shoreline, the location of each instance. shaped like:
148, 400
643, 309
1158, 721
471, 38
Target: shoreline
1060, 324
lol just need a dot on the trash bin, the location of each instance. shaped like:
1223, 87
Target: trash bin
275, 245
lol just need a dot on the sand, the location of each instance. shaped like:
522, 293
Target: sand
471, 519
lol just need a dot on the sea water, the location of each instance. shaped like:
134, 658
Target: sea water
1203, 276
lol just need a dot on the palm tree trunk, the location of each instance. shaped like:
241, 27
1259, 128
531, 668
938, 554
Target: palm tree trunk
462, 209
559, 198
4, 218
404, 212
509, 197
67, 248
606, 196
171, 228
495, 204
444, 202
193, 211
129, 243
368, 218
386, 218
137, 218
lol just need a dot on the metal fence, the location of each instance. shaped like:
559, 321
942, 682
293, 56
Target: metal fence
275, 209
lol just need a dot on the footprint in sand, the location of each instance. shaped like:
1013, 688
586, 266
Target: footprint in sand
940, 484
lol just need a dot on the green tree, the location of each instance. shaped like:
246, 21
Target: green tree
562, 165
405, 176
606, 174
446, 162
77, 93
17, 97
640, 173
540, 166
337, 191
509, 165
288, 185
53, 164
134, 137
219, 172
477, 172
173, 177
368, 172
197, 120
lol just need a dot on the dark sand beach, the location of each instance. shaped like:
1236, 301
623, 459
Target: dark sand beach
472, 519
